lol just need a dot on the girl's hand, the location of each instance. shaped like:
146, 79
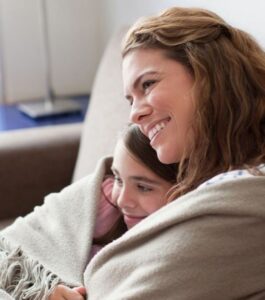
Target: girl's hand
81, 290
62, 292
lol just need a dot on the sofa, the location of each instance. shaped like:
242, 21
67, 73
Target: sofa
39, 161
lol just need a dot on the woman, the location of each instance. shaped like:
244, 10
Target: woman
200, 93
196, 87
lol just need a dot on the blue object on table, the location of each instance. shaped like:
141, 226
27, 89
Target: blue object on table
11, 118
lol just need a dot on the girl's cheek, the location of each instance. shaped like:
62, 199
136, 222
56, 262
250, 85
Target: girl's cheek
115, 195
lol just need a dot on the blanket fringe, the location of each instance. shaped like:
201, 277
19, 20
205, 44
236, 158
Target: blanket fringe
22, 277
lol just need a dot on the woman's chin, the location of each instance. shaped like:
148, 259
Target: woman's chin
165, 157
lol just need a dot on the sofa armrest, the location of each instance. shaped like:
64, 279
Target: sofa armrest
34, 163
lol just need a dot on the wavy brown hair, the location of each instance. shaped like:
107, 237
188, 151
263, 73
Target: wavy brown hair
228, 67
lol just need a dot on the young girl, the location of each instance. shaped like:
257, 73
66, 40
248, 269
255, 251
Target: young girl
138, 176
137, 187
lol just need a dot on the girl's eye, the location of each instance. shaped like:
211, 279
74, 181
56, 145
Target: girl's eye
146, 84
130, 101
144, 188
118, 180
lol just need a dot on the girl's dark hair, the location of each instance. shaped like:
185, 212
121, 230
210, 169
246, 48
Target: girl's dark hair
139, 145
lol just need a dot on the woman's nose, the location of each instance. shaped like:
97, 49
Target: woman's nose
139, 111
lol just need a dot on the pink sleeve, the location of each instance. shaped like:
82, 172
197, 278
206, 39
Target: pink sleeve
107, 213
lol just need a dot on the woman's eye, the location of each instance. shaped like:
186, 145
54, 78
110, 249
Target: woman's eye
146, 84
144, 188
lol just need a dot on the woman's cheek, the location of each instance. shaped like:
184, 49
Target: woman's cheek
157, 99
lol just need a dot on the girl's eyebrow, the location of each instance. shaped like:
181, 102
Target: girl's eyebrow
145, 179
136, 177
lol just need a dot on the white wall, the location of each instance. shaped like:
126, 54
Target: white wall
245, 14
73, 30
21, 49
73, 38
78, 33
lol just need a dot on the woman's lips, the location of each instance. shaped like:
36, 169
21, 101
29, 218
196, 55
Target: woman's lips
159, 126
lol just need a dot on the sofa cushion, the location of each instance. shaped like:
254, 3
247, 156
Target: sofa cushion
108, 111
4, 223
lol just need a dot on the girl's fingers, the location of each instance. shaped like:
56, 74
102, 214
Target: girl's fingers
62, 292
81, 290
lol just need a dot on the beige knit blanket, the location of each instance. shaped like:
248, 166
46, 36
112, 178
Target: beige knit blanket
207, 245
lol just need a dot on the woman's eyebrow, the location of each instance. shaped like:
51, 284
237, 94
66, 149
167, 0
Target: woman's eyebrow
138, 79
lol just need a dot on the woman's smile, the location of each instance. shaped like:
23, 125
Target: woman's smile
156, 131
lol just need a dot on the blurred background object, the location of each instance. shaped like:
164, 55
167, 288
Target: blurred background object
23, 50
78, 33
50, 105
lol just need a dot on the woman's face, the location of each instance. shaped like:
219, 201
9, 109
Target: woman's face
137, 190
159, 90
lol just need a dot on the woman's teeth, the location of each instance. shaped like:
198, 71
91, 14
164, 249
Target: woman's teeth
156, 129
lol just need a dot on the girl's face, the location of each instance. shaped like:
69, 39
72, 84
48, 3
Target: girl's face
159, 91
137, 190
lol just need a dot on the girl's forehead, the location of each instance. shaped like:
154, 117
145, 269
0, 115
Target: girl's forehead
122, 153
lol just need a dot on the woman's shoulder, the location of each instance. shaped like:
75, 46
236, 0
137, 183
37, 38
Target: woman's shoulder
230, 176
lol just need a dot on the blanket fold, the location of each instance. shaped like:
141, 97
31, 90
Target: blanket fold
208, 244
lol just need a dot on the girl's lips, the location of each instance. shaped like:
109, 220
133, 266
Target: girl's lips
132, 220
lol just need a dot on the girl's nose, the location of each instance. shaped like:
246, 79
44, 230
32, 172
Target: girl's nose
125, 200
